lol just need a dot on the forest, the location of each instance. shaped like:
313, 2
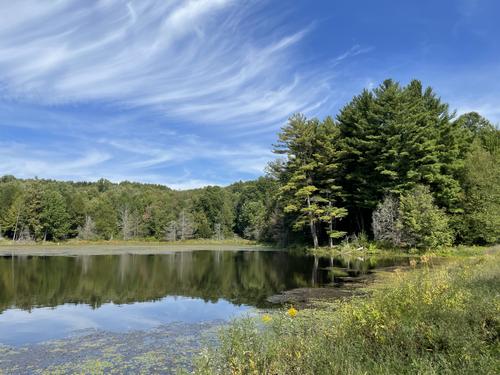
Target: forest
395, 165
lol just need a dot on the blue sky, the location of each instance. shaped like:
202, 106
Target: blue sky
191, 93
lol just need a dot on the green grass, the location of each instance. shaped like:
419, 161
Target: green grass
372, 248
442, 319
145, 241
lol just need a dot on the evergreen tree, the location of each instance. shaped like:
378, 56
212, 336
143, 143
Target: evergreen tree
393, 139
308, 187
216, 206
256, 203
30, 219
327, 154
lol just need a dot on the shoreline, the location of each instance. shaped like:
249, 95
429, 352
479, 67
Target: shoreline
75, 249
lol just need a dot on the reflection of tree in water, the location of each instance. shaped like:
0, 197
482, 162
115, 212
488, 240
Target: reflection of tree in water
239, 277
334, 269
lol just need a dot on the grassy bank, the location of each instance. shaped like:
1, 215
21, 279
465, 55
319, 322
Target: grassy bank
431, 320
116, 247
144, 241
373, 249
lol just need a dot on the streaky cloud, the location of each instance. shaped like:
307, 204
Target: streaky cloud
201, 61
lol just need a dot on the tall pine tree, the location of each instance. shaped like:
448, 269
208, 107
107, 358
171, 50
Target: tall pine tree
394, 138
308, 188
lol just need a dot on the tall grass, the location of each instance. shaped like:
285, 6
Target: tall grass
431, 320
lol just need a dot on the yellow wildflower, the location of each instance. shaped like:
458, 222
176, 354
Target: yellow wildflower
292, 312
413, 263
425, 259
266, 318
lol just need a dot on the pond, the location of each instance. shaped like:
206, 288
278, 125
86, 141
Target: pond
52, 297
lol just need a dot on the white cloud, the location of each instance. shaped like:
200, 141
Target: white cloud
158, 71
200, 61
23, 161
183, 163
246, 158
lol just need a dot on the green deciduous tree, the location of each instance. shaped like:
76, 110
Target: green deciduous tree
476, 127
54, 218
105, 217
214, 206
257, 213
480, 222
423, 224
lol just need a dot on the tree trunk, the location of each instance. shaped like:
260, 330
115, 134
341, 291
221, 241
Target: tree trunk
312, 225
314, 234
183, 224
17, 223
330, 228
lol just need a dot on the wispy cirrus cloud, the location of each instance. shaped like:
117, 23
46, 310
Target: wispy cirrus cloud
164, 156
21, 160
153, 155
202, 61
180, 92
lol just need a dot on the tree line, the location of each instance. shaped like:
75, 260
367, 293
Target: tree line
36, 209
394, 164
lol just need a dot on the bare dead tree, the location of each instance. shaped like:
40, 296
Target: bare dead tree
17, 223
126, 223
386, 224
186, 226
171, 231
136, 226
87, 231
218, 232
25, 235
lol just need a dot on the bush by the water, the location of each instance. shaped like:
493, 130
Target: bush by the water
432, 320
412, 220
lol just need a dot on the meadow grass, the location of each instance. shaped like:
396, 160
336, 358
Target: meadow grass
432, 319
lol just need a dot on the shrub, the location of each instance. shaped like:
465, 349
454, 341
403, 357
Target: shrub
423, 224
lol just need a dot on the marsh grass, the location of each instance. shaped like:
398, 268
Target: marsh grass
433, 319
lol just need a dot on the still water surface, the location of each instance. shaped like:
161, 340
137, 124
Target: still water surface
44, 298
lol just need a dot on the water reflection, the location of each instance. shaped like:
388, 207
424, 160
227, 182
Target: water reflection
18, 327
239, 277
48, 297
